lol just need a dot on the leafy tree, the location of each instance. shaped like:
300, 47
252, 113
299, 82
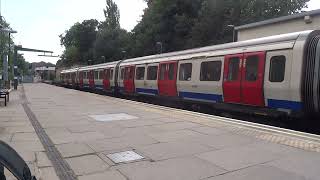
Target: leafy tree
112, 15
177, 24
216, 15
165, 21
111, 40
78, 42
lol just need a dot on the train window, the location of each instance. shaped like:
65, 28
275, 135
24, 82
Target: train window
152, 73
185, 72
277, 68
140, 73
252, 67
107, 74
130, 72
101, 74
96, 74
111, 74
163, 68
171, 71
122, 74
86, 75
233, 69
210, 71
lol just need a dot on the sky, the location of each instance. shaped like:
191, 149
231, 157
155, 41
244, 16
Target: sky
40, 22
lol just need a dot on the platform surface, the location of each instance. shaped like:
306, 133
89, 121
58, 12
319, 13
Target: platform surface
102, 137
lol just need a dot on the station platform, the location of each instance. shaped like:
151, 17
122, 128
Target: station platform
69, 134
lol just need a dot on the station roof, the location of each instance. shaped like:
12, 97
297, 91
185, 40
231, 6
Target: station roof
280, 19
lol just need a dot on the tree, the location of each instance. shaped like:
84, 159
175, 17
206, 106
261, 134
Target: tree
112, 15
165, 21
177, 24
111, 40
79, 41
215, 16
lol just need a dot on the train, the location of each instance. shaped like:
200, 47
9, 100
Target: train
270, 76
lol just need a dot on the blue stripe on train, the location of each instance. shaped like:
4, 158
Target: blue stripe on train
201, 96
147, 91
283, 104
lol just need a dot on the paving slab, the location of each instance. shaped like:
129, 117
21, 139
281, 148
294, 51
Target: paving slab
74, 149
177, 126
303, 164
190, 168
88, 164
175, 135
169, 150
260, 172
112, 175
239, 157
25, 136
42, 160
48, 173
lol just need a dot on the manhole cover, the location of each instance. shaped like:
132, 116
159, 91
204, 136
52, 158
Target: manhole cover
124, 157
113, 117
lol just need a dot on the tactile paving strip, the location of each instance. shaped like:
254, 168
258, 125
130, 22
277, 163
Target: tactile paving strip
276, 138
61, 167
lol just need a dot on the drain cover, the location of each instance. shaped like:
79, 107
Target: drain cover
124, 157
113, 117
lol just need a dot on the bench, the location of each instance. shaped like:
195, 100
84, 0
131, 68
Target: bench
4, 94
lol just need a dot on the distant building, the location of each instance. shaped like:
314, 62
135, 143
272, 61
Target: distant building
44, 73
286, 24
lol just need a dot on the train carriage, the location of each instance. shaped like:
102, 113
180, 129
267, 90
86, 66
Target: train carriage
272, 75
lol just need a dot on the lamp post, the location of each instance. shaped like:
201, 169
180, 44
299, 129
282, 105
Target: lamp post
161, 47
124, 53
104, 59
234, 32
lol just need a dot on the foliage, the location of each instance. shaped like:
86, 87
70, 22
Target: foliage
111, 40
177, 24
78, 42
112, 15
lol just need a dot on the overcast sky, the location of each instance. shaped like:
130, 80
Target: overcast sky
40, 22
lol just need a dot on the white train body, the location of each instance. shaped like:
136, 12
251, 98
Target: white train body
273, 74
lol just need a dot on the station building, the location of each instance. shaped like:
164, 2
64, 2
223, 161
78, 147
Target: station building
44, 73
293, 23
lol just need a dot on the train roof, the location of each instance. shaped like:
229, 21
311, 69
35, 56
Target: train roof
283, 41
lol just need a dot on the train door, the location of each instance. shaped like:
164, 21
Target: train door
187, 79
81, 79
140, 79
129, 79
91, 79
151, 83
243, 78
121, 79
232, 78
73, 79
106, 79
111, 79
167, 79
253, 78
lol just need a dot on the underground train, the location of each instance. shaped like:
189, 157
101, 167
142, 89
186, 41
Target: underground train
272, 76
